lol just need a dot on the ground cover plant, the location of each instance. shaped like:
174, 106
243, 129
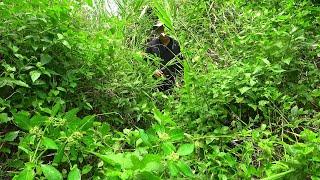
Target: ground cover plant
78, 100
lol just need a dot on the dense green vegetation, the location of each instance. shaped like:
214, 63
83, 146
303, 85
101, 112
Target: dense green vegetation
77, 98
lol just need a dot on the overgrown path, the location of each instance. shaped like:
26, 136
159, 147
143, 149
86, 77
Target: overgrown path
77, 97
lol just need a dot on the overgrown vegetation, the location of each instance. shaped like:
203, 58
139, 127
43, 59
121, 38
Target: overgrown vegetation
77, 98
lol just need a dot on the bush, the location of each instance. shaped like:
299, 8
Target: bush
77, 97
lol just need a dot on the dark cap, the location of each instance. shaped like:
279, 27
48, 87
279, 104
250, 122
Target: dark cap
157, 25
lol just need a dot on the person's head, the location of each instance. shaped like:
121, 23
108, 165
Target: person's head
159, 29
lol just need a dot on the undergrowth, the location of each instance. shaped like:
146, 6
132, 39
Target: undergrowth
78, 100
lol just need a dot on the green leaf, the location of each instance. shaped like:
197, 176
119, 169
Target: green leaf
86, 169
46, 110
150, 163
60, 36
146, 176
287, 60
25, 150
35, 75
309, 135
37, 120
74, 174
266, 61
87, 122
222, 177
66, 43
158, 116
15, 49
144, 137
11, 136
153, 166
89, 2
162, 119
21, 119
84, 124
295, 110
26, 174
71, 114
168, 148
116, 159
163, 13
278, 176
4, 82
173, 169
56, 108
176, 134
45, 59
185, 149
244, 89
19, 83
137, 163
4, 118
262, 103
50, 172
184, 168
49, 143
58, 157
9, 68
21, 57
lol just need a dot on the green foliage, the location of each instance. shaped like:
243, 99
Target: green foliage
162, 11
78, 101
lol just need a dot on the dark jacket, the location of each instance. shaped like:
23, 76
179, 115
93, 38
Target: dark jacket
167, 53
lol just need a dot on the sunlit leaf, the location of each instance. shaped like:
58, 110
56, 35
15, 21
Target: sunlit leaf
163, 13
26, 174
11, 136
185, 149
184, 168
144, 137
66, 43
56, 108
60, 36
153, 166
49, 143
162, 119
176, 134
173, 169
50, 172
35, 75
86, 169
244, 89
10, 82
4, 118
115, 159
168, 148
20, 83
266, 61
74, 174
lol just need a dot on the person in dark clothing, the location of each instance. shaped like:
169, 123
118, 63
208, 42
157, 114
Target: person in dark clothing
168, 50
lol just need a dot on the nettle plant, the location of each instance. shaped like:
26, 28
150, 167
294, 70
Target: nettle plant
60, 145
159, 152
56, 139
37, 54
50, 53
248, 107
250, 64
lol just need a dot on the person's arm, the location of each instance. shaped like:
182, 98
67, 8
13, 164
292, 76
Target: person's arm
153, 51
